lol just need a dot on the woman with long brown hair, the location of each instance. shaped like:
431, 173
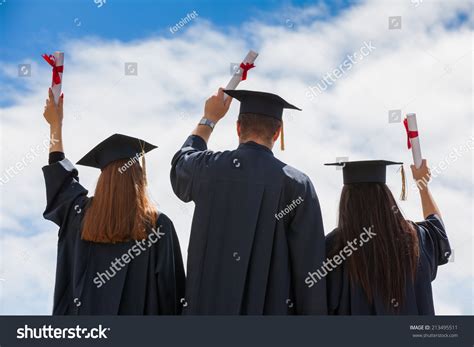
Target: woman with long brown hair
116, 253
383, 263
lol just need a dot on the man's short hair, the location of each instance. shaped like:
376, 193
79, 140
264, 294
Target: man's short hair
264, 127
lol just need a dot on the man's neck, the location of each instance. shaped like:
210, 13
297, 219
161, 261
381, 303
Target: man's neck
256, 140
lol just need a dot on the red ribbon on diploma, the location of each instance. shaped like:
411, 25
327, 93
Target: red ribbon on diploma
245, 67
56, 69
410, 134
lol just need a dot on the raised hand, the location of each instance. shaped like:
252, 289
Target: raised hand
53, 113
215, 107
422, 175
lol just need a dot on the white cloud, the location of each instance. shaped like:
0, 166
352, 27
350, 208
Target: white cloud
424, 68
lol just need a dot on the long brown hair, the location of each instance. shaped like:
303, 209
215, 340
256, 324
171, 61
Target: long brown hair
120, 210
382, 266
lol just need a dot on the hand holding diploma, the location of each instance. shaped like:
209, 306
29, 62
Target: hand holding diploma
216, 106
413, 140
241, 73
53, 114
56, 60
214, 110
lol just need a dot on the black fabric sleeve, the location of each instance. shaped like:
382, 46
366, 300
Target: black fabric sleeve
334, 279
54, 157
62, 190
307, 251
434, 243
187, 165
170, 271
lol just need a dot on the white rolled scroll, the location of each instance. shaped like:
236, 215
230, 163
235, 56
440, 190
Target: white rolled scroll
237, 77
414, 139
56, 60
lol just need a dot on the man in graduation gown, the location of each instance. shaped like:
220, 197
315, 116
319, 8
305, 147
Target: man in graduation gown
257, 228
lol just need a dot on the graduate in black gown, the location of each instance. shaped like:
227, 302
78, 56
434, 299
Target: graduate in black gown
257, 228
116, 253
382, 264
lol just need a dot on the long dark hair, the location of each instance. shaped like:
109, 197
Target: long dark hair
120, 210
382, 265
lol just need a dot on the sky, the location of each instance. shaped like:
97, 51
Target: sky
353, 67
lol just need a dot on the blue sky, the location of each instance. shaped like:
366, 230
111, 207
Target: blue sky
31, 27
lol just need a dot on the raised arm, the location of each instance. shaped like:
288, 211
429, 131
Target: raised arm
63, 191
422, 177
214, 110
432, 234
193, 157
54, 116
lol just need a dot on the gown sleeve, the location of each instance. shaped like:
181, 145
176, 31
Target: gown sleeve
307, 252
187, 165
434, 243
334, 280
170, 271
62, 188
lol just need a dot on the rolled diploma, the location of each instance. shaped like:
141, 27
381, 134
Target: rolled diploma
237, 77
415, 141
59, 58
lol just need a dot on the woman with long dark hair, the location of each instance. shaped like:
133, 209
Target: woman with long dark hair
383, 263
116, 253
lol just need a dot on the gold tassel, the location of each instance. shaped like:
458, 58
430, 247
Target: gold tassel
403, 195
282, 137
143, 164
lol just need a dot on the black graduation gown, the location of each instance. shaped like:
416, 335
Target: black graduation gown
346, 298
244, 255
87, 283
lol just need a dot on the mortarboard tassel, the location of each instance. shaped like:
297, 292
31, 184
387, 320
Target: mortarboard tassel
403, 195
143, 164
282, 138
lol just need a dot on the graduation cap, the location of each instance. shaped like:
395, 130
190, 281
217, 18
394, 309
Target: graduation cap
116, 147
263, 104
369, 171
